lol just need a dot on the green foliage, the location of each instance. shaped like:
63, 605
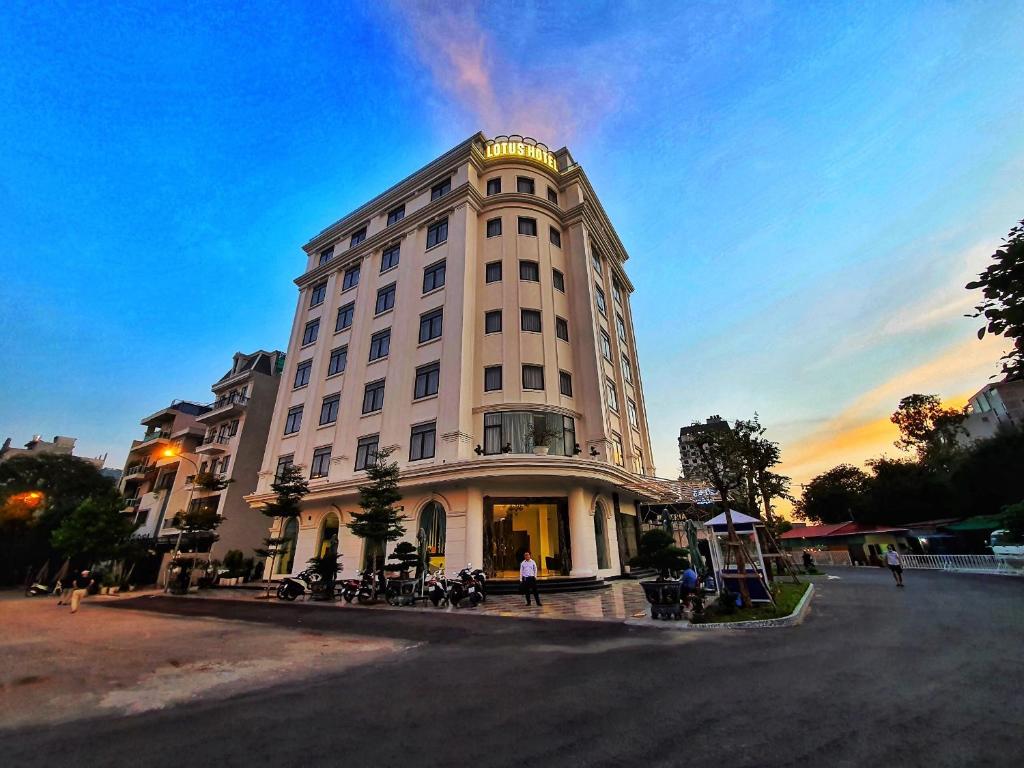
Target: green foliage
208, 481
905, 492
835, 496
326, 565
1002, 286
657, 549
404, 558
234, 562
96, 531
1013, 522
929, 430
289, 488
379, 522
989, 476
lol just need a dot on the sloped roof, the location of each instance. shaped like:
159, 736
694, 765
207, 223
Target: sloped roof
815, 531
738, 518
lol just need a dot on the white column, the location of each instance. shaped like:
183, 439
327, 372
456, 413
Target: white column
611, 528
581, 535
474, 529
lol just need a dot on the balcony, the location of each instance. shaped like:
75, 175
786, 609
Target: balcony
137, 471
213, 444
131, 505
224, 407
153, 437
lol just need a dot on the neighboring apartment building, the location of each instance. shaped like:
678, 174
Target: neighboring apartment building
59, 445
152, 485
993, 407
480, 300
689, 456
236, 424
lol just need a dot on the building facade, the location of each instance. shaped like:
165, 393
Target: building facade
59, 445
469, 314
995, 406
689, 456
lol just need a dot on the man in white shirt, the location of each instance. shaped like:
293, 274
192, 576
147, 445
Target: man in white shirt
895, 563
528, 577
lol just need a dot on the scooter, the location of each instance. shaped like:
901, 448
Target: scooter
349, 588
298, 585
436, 588
466, 587
365, 591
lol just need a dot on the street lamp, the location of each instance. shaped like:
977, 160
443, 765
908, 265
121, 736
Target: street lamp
175, 453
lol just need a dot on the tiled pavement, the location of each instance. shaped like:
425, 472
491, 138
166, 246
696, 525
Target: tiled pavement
622, 600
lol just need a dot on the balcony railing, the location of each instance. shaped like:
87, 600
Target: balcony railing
137, 469
132, 503
223, 402
218, 439
153, 434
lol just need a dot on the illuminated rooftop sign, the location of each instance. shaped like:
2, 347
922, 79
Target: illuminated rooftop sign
510, 147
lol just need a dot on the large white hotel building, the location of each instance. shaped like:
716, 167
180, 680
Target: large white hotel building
478, 301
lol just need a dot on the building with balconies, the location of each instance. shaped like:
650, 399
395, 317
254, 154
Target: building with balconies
477, 318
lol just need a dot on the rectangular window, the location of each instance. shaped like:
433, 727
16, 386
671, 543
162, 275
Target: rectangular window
613, 395
601, 306
493, 227
351, 278
617, 449
329, 409
527, 226
233, 428
389, 259
530, 320
606, 346
441, 189
318, 294
494, 186
595, 259
492, 321
366, 451
529, 270
283, 462
565, 383
302, 371
321, 462
634, 418
524, 185
224, 464
421, 443
492, 378
326, 254
492, 272
430, 325
616, 291
338, 361
437, 233
395, 215
552, 196
555, 236
311, 331
433, 276
627, 370
638, 461
620, 328
345, 315
562, 328
373, 396
357, 237
558, 280
428, 378
293, 422
533, 377
514, 430
380, 344
385, 299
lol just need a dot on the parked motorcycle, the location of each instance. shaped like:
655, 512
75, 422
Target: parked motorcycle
467, 586
349, 588
365, 592
436, 588
298, 585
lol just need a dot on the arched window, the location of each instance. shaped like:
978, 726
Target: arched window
600, 534
329, 530
287, 557
433, 527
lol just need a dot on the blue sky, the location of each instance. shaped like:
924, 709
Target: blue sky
803, 192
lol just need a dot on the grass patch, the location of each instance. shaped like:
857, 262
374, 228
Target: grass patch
787, 595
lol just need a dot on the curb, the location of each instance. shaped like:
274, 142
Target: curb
791, 620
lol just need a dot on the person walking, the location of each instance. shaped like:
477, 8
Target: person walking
895, 563
79, 589
528, 577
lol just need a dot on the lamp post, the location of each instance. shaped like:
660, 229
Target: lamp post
171, 453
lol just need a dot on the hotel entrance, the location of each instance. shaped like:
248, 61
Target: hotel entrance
539, 526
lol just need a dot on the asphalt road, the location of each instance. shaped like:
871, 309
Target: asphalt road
929, 675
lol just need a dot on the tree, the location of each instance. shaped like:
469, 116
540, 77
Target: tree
289, 487
1002, 286
929, 430
37, 492
1013, 522
199, 521
835, 496
988, 476
406, 557
901, 492
379, 522
96, 531
657, 549
723, 463
759, 456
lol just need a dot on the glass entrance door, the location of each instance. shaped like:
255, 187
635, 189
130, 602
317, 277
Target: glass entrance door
513, 527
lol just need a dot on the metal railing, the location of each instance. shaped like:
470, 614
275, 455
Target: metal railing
219, 439
154, 434
223, 402
137, 469
989, 563
132, 503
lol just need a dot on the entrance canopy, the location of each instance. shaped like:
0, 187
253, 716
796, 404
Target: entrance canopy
740, 521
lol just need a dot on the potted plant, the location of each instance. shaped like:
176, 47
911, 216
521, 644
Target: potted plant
326, 567
542, 436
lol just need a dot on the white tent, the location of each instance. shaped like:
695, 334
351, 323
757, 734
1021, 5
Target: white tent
738, 520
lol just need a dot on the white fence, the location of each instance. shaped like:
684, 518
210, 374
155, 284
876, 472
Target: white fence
983, 563
822, 558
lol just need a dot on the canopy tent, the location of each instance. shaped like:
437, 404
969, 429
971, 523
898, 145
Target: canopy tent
740, 522
745, 527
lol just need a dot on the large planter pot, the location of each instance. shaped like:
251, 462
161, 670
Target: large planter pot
665, 598
323, 590
401, 591
540, 450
